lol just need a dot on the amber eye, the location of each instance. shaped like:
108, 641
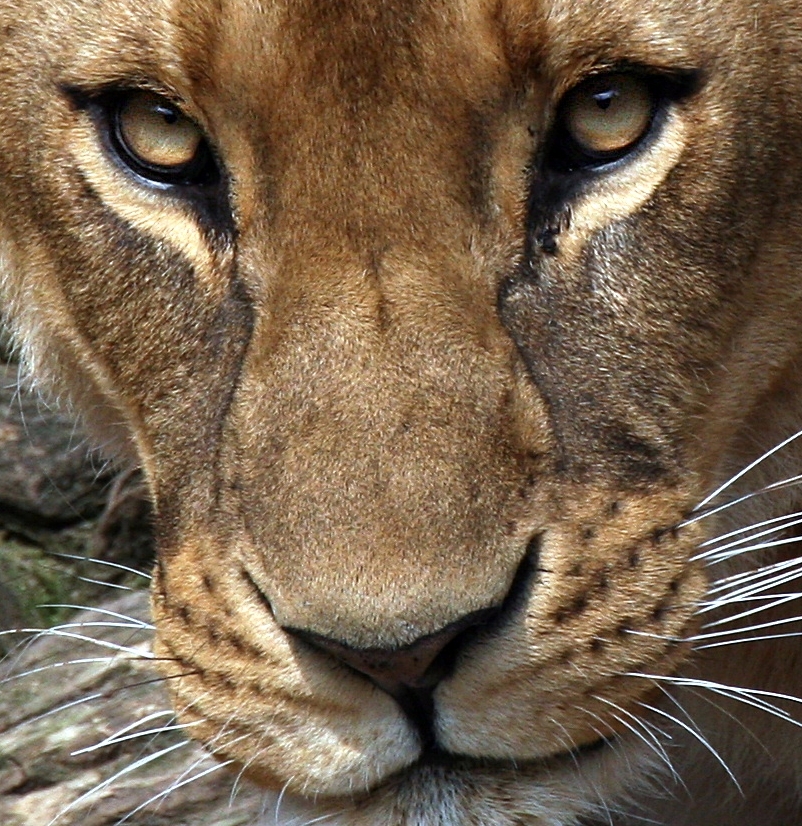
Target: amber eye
606, 115
157, 140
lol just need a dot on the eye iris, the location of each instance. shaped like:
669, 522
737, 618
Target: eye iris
609, 113
156, 133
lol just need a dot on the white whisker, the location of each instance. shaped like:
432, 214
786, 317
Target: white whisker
737, 597
778, 523
739, 547
177, 784
722, 583
105, 562
103, 584
741, 473
131, 767
60, 664
147, 626
755, 582
647, 736
748, 639
56, 632
322, 818
280, 800
749, 696
87, 698
698, 736
129, 733
768, 603
791, 481
186, 777
714, 558
65, 626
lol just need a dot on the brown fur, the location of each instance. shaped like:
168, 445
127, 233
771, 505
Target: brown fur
364, 396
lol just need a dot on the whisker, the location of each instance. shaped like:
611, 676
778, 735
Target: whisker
777, 522
756, 582
103, 584
791, 481
699, 736
739, 547
568, 742
722, 710
650, 732
741, 473
155, 715
768, 603
722, 583
647, 741
87, 698
761, 598
280, 800
61, 664
83, 624
55, 632
173, 787
161, 678
184, 778
714, 557
147, 626
106, 562
128, 732
748, 639
321, 818
749, 696
137, 764
737, 597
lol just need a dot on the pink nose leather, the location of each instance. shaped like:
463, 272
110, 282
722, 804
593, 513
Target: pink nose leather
420, 665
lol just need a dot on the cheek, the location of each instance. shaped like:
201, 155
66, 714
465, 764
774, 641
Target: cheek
604, 614
288, 716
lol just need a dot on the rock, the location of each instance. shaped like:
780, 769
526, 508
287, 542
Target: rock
80, 739
45, 475
87, 737
59, 508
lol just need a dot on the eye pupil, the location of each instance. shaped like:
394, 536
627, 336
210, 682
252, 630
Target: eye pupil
604, 100
169, 114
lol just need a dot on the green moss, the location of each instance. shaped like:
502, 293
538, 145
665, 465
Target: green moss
36, 580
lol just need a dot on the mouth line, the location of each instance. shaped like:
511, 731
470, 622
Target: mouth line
433, 756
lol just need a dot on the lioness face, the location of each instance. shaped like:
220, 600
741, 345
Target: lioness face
430, 323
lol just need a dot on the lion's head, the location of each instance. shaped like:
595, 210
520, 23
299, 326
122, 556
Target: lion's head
431, 323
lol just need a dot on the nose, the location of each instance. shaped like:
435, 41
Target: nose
415, 668
419, 665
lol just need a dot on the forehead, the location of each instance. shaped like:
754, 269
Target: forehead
364, 45
368, 38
